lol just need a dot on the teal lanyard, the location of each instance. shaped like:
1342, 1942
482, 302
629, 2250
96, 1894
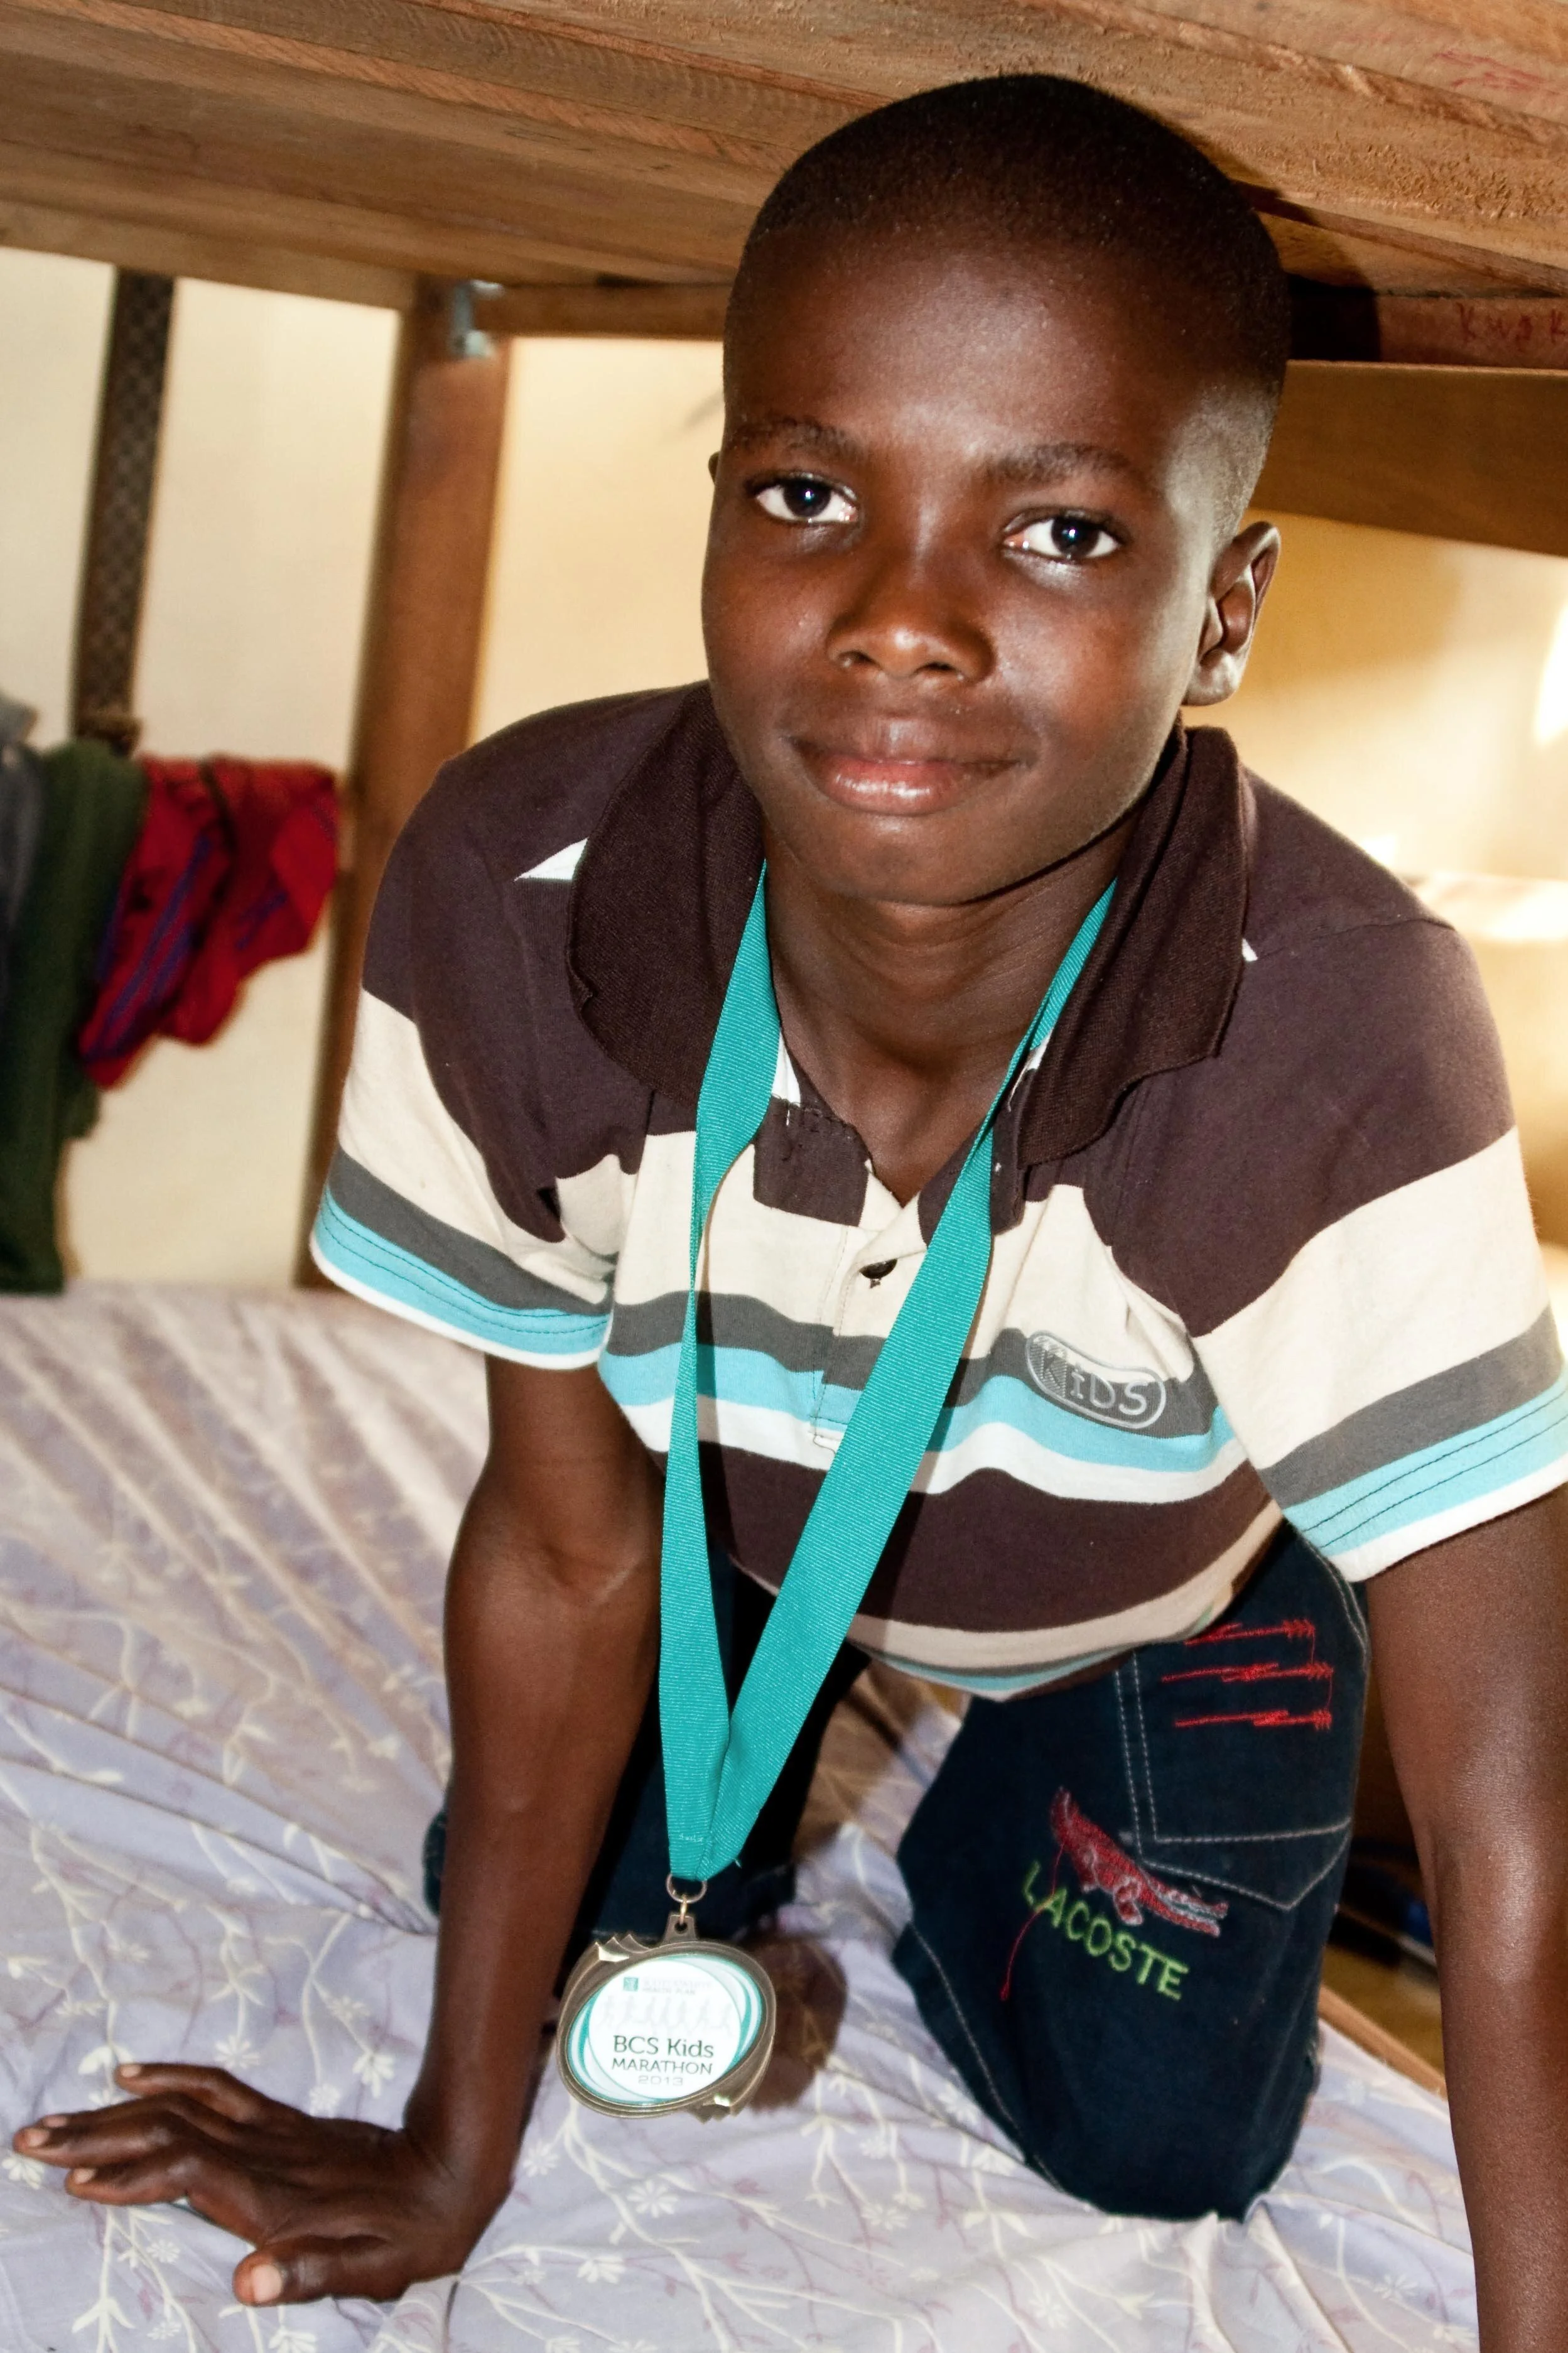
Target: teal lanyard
719, 1769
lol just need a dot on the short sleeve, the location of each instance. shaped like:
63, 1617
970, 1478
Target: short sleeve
455, 1198
1344, 1228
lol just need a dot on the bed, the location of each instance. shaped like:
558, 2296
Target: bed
223, 1522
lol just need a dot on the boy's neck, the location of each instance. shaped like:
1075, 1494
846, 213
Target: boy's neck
905, 1018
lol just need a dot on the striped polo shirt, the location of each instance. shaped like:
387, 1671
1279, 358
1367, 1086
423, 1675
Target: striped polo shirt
1261, 1245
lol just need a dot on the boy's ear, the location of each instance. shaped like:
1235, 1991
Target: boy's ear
1237, 586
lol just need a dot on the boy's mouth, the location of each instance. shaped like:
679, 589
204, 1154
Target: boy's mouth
906, 785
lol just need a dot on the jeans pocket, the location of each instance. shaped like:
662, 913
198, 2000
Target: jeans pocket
1241, 1744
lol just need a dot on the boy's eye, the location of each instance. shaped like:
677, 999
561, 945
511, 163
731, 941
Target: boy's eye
1065, 539
803, 498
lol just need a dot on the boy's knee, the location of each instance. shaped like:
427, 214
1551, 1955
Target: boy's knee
1177, 2163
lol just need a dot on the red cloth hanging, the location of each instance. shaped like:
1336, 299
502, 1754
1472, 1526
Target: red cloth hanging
232, 868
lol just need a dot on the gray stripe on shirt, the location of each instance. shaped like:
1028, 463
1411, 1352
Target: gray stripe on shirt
479, 1266
1445, 1405
731, 1320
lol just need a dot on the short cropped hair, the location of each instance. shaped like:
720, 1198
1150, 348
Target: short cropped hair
1038, 160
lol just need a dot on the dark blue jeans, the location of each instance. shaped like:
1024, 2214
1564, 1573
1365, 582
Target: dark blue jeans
1121, 1892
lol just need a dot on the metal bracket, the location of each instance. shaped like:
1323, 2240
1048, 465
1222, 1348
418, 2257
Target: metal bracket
464, 340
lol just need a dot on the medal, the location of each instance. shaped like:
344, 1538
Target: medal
647, 2029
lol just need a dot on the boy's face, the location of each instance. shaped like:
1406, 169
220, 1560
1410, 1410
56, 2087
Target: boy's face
968, 555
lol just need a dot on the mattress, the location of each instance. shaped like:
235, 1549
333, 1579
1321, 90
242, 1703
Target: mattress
223, 1525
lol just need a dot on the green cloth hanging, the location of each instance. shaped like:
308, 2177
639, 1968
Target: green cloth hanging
92, 812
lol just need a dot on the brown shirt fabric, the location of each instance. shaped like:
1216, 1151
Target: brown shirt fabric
1261, 1245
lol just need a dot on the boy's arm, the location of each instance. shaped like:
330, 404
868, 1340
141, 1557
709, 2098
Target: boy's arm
1469, 1641
552, 1636
551, 1640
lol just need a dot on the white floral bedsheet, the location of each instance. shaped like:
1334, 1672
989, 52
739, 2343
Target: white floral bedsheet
223, 1522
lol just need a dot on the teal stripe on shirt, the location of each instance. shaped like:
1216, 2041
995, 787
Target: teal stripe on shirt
749, 1376
1439, 1478
369, 1261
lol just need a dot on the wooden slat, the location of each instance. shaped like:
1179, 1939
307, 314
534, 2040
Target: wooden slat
1395, 257
194, 253
576, 196
193, 201
1453, 452
224, 79
1323, 125
633, 137
1499, 331
1511, 57
422, 635
1367, 2035
679, 313
497, 52
1407, 264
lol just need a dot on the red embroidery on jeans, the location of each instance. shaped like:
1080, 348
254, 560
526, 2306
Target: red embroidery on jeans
1300, 1630
1261, 1671
1100, 1863
1264, 1719
1030, 1917
1103, 1865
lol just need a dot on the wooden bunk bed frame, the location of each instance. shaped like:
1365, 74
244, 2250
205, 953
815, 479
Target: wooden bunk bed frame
589, 167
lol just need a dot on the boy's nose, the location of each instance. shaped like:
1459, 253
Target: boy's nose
906, 619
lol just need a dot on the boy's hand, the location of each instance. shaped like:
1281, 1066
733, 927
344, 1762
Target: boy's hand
333, 2207
551, 1640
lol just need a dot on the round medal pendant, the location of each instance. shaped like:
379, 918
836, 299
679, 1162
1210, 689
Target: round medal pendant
646, 2029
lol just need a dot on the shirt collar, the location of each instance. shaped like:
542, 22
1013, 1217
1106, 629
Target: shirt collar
663, 889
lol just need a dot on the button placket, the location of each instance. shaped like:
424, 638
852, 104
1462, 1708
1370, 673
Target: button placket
827, 1427
873, 1260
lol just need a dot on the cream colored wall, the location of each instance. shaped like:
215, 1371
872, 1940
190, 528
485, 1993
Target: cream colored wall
603, 514
264, 507
260, 550
1415, 693
53, 314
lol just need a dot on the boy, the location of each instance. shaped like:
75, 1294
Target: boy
1261, 1293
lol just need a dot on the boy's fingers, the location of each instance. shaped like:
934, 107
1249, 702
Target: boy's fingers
198, 2097
149, 2180
96, 2139
300, 2271
215, 2087
212, 2182
131, 2128
47, 2137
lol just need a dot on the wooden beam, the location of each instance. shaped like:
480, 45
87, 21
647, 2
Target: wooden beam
499, 61
422, 636
1486, 330
1335, 256
237, 80
197, 253
1333, 322
553, 240
1452, 452
677, 313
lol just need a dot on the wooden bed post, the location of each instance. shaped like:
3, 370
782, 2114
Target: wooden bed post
423, 631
